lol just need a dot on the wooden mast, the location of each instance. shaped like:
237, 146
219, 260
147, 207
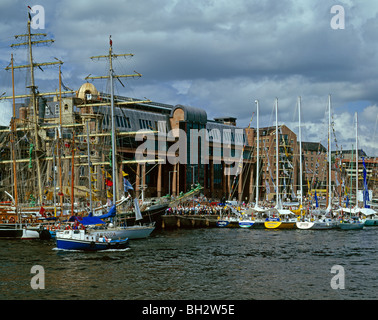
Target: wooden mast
33, 93
13, 126
59, 143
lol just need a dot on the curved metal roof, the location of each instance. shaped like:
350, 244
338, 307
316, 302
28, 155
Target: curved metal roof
192, 114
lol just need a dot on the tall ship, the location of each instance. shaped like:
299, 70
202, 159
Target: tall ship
58, 157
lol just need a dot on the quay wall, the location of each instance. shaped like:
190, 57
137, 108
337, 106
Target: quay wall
188, 221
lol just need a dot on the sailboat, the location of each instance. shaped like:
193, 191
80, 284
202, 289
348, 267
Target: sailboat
323, 222
301, 224
279, 222
370, 215
353, 223
250, 222
81, 237
14, 214
115, 230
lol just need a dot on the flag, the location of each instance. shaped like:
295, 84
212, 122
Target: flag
42, 212
110, 41
366, 190
316, 200
138, 215
30, 18
127, 185
108, 175
109, 194
336, 180
109, 183
267, 187
124, 173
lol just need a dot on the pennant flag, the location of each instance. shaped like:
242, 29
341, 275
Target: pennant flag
316, 200
267, 187
138, 215
109, 194
109, 183
42, 212
336, 180
366, 190
108, 175
124, 173
127, 185
110, 41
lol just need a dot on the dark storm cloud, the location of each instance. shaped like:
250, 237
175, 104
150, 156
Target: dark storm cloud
219, 55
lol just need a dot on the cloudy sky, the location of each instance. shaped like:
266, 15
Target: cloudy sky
217, 55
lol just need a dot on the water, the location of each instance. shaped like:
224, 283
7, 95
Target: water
200, 264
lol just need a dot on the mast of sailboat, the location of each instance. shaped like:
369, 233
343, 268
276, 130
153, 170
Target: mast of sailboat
258, 154
34, 105
351, 175
59, 143
89, 171
278, 200
329, 156
300, 152
356, 159
13, 126
111, 77
73, 172
111, 72
33, 91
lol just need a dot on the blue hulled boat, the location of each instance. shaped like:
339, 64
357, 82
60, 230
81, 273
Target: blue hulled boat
80, 238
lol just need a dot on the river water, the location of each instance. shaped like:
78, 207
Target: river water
200, 264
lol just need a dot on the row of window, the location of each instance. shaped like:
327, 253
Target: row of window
121, 122
228, 136
124, 122
54, 110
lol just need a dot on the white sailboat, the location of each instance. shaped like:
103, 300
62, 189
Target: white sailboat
279, 223
304, 224
353, 223
251, 222
323, 222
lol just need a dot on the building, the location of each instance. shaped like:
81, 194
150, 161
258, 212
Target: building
180, 146
160, 148
287, 165
315, 167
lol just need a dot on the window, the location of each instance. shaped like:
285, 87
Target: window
127, 121
57, 109
47, 110
161, 126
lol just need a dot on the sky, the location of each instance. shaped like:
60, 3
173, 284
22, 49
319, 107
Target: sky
217, 55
